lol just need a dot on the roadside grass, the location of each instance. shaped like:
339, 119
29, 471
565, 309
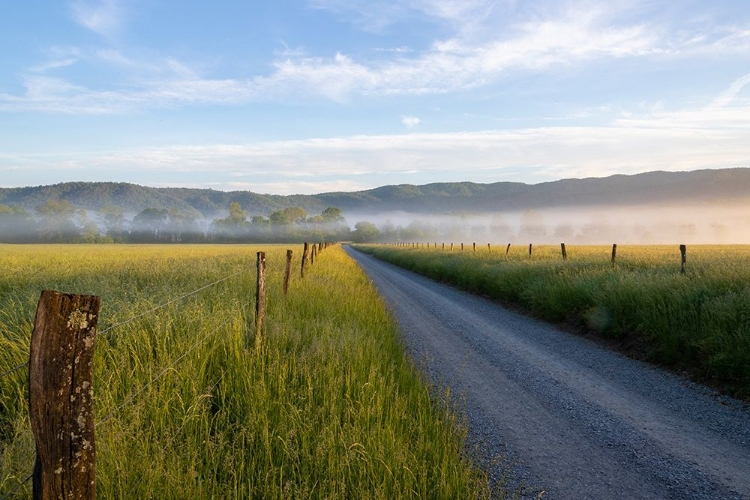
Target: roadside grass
698, 321
331, 407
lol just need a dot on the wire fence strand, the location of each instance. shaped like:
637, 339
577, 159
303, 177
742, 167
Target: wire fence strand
140, 315
171, 301
160, 375
14, 369
17, 487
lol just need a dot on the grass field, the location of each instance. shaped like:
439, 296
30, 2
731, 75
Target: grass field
331, 408
698, 321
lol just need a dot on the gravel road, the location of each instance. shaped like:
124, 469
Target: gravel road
570, 418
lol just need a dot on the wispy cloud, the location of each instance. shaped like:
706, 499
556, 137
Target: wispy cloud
541, 41
710, 137
105, 17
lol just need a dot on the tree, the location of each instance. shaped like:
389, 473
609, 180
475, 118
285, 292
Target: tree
56, 224
150, 224
114, 221
364, 232
332, 214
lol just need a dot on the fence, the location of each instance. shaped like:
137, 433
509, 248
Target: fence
563, 250
61, 385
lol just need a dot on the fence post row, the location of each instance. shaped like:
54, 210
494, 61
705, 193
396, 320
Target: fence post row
305, 253
683, 255
260, 300
61, 394
288, 271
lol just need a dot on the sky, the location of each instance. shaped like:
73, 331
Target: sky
309, 96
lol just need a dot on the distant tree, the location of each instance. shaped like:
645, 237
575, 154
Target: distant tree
332, 214
150, 225
56, 221
114, 221
365, 232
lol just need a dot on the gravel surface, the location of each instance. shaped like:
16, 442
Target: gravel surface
569, 418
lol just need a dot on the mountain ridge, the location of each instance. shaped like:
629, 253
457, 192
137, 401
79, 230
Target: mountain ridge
649, 188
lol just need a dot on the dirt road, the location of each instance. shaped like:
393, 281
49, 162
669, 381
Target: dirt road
572, 419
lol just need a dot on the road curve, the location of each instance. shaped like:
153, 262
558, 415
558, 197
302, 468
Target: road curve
571, 419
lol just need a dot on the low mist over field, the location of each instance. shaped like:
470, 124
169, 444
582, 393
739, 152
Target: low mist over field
581, 225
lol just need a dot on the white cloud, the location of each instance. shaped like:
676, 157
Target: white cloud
410, 121
105, 17
537, 40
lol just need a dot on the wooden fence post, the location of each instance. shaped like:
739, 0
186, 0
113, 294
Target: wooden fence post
61, 394
683, 254
313, 254
451, 247
320, 247
288, 271
564, 253
530, 249
462, 247
488, 247
443, 246
507, 249
474, 246
305, 253
614, 253
260, 300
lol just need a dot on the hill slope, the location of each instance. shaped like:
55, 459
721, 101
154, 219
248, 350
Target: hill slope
652, 188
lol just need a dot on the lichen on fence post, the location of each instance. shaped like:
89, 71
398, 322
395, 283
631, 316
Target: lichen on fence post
61, 393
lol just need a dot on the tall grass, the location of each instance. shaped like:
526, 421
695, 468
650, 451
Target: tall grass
330, 408
699, 321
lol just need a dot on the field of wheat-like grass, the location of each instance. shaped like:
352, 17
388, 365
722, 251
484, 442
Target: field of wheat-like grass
331, 407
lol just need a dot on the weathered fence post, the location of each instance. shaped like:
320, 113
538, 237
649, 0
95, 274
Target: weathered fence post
488, 247
260, 300
462, 247
305, 253
313, 254
683, 254
288, 271
507, 249
451, 247
61, 394
320, 247
564, 253
443, 246
474, 246
614, 253
530, 249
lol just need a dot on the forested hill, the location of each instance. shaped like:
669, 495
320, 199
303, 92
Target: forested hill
697, 187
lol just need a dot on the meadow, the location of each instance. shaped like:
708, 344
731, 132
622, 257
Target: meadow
187, 409
697, 322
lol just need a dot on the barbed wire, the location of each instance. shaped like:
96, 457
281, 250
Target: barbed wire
161, 374
171, 301
17, 487
15, 368
140, 315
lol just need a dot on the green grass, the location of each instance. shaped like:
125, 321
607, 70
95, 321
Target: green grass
331, 407
698, 321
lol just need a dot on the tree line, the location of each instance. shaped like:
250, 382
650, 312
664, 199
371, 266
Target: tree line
58, 221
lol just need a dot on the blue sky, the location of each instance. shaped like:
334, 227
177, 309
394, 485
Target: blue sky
306, 96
